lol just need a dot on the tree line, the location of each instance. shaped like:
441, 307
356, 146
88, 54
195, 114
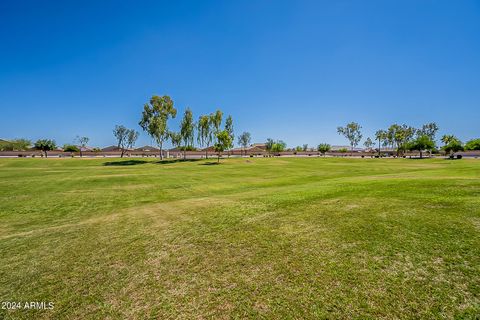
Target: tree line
155, 122
402, 138
210, 134
160, 109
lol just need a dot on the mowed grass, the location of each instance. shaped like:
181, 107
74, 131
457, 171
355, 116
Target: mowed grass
283, 238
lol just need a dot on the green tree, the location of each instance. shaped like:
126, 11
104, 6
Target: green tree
399, 135
176, 139
422, 143
21, 144
70, 148
278, 146
204, 129
82, 143
451, 144
305, 147
224, 141
126, 138
15, 145
275, 146
391, 135
473, 144
352, 132
403, 136
454, 145
45, 145
187, 130
229, 129
447, 138
269, 144
429, 130
131, 139
324, 148
368, 143
381, 137
216, 120
155, 117
244, 140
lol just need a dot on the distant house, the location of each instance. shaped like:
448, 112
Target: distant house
348, 148
85, 149
209, 149
147, 149
256, 146
256, 149
111, 149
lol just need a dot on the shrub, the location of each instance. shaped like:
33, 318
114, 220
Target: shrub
323, 148
15, 145
45, 145
70, 148
453, 146
473, 144
421, 143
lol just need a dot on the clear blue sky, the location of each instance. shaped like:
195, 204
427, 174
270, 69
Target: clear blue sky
291, 70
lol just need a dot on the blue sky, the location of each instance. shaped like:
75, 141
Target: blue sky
291, 70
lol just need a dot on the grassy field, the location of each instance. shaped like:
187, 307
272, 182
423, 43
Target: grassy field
283, 238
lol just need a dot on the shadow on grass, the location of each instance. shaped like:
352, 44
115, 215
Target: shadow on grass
172, 161
209, 163
124, 163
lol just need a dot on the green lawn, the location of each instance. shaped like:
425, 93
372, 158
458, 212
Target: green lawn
283, 238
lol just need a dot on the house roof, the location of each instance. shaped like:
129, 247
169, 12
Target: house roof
86, 148
110, 148
334, 148
255, 149
211, 148
113, 148
147, 148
